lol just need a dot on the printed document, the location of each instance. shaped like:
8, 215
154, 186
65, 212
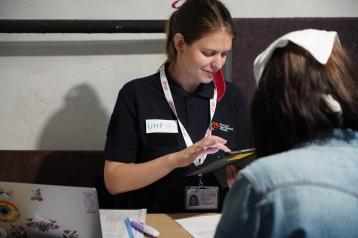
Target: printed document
112, 222
201, 226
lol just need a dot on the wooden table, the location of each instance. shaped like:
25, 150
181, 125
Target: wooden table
167, 226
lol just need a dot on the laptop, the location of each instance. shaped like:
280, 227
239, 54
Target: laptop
47, 211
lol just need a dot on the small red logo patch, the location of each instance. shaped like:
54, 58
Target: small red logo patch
215, 125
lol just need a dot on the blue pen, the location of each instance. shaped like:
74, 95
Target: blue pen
127, 222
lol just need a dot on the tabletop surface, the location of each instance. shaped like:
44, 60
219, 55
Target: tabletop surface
167, 225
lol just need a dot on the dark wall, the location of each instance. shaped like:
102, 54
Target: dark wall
255, 34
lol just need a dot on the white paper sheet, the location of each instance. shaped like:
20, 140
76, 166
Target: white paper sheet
200, 226
112, 222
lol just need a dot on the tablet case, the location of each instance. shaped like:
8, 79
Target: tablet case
240, 157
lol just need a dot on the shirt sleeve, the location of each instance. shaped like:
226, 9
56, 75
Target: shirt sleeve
240, 217
122, 133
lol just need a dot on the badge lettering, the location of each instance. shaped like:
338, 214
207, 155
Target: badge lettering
161, 126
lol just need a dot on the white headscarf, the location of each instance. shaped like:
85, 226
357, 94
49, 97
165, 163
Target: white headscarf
318, 43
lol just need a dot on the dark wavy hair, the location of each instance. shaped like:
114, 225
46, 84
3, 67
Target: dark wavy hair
288, 107
194, 19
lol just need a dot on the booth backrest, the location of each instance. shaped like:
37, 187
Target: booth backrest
70, 168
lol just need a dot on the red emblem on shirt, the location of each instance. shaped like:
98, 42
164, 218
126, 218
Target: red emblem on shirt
215, 125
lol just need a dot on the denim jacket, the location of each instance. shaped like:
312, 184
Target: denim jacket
308, 191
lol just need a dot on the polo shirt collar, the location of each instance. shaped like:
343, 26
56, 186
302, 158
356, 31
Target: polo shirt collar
203, 90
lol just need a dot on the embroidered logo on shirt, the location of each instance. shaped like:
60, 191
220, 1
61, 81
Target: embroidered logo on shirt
221, 126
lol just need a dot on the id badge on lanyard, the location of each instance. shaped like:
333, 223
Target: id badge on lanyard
201, 198
169, 98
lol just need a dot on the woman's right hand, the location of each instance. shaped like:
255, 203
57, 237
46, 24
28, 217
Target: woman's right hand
207, 145
123, 177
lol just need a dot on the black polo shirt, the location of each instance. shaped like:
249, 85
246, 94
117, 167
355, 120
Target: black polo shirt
127, 140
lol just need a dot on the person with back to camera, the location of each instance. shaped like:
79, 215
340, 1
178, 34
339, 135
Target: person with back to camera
161, 129
305, 125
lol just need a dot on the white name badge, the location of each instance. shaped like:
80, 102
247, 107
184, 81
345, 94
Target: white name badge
161, 126
201, 197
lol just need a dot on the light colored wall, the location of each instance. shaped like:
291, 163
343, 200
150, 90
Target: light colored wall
57, 91
160, 9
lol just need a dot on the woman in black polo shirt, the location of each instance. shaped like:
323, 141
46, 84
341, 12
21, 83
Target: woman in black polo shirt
172, 122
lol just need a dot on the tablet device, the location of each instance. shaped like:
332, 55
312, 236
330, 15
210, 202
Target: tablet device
239, 157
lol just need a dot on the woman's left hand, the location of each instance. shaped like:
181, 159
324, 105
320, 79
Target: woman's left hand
231, 172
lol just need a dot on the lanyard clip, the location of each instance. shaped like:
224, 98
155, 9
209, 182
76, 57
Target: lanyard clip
201, 184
